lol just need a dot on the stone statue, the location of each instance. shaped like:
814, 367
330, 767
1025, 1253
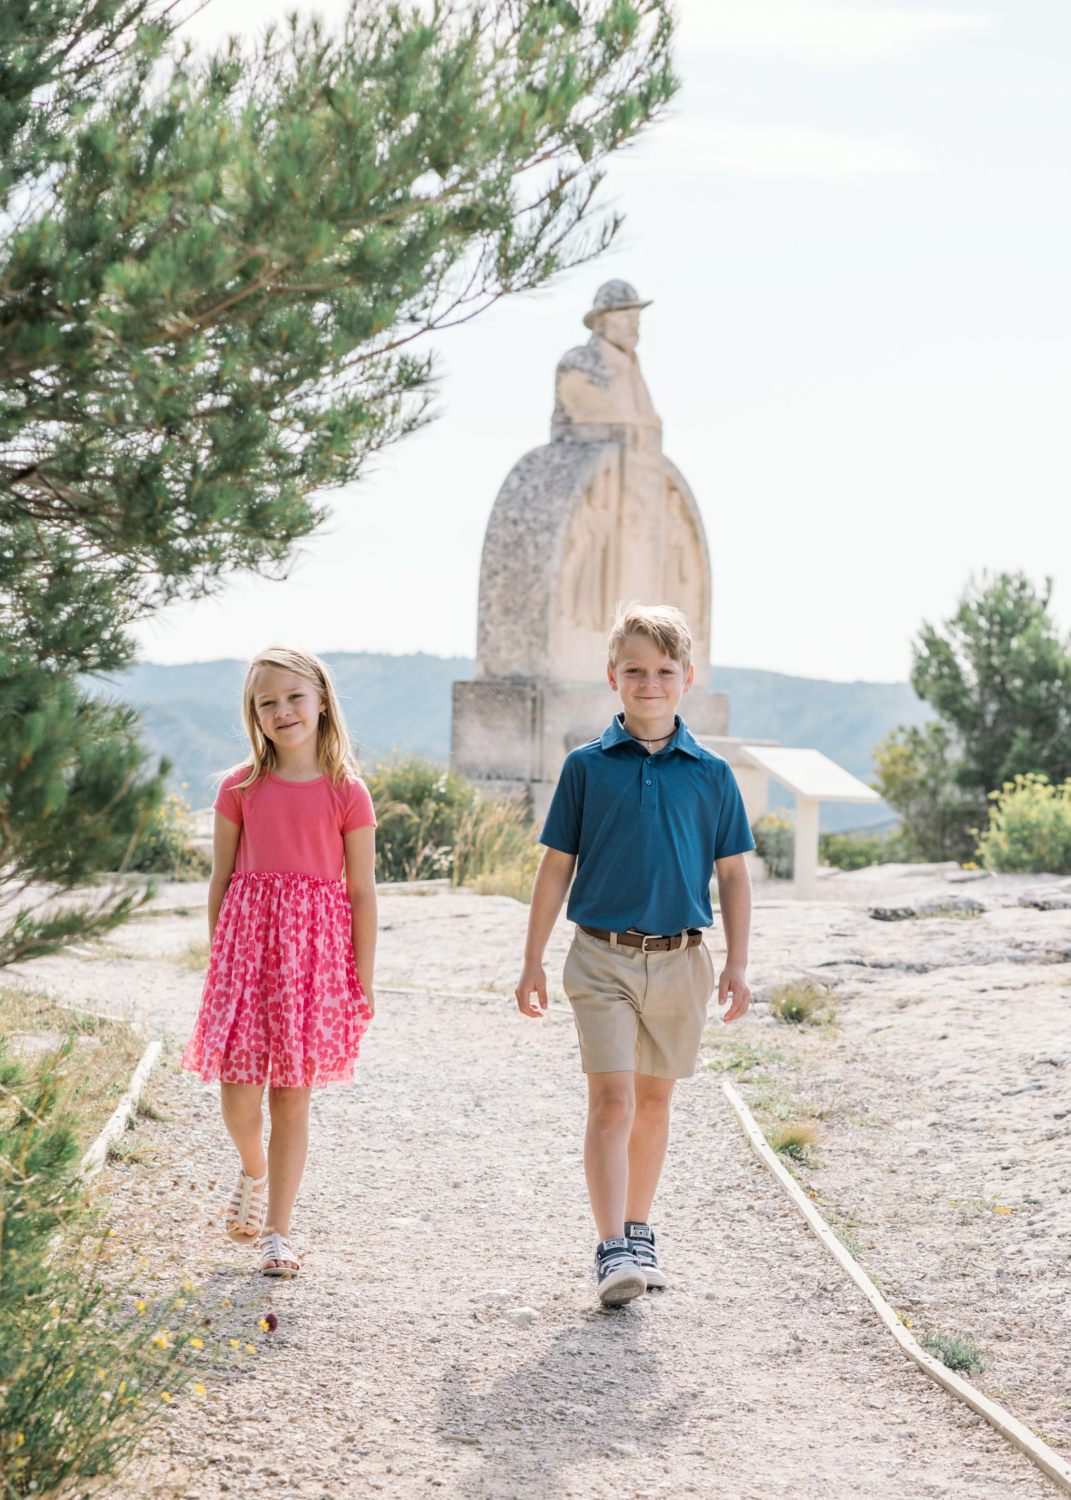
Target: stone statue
596, 516
598, 390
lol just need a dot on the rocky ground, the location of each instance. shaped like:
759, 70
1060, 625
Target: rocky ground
444, 1332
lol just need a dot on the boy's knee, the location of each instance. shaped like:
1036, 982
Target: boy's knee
612, 1110
655, 1102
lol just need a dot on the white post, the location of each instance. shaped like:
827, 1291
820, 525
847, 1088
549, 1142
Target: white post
806, 875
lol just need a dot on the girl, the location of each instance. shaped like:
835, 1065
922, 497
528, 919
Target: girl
288, 994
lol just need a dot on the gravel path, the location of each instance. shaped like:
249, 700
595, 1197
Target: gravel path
445, 1197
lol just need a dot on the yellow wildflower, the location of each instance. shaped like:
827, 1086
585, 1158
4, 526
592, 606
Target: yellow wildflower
165, 1396
197, 1343
250, 1349
199, 1390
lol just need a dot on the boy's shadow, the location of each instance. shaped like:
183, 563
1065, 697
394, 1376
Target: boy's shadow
537, 1423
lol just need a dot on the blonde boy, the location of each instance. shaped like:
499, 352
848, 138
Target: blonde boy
644, 815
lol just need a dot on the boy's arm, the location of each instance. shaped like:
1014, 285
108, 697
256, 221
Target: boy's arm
734, 898
550, 889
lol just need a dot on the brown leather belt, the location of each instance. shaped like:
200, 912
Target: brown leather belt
692, 938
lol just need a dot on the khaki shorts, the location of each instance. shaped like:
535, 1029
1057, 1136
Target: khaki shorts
638, 1012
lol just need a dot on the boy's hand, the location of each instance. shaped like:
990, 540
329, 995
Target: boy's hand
532, 978
733, 981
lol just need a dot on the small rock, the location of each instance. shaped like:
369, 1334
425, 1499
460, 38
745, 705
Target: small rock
624, 1450
523, 1317
893, 913
493, 1298
570, 1348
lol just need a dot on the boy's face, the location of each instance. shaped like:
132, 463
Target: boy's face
651, 685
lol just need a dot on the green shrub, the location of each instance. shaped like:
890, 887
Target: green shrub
434, 823
957, 1351
1029, 827
855, 851
83, 1366
775, 844
165, 847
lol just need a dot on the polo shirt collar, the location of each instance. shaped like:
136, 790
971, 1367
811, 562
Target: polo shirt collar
616, 734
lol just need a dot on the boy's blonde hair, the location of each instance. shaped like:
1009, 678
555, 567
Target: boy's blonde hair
333, 748
660, 623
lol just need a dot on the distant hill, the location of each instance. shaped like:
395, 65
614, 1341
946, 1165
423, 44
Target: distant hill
402, 703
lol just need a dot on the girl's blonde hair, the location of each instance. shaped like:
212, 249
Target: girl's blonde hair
333, 748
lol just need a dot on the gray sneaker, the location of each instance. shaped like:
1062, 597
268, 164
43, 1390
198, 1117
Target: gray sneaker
620, 1278
641, 1242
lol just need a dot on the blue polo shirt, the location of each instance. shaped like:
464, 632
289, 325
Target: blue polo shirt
646, 830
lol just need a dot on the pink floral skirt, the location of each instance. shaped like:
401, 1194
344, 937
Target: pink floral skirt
282, 1003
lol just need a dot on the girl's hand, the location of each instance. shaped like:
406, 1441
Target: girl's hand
370, 1001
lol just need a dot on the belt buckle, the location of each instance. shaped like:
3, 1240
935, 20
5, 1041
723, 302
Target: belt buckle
647, 937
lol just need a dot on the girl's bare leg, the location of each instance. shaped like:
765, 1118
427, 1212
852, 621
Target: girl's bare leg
244, 1119
288, 1146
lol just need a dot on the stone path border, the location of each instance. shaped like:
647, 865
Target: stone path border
1039, 1452
97, 1154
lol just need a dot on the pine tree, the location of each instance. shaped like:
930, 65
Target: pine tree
212, 277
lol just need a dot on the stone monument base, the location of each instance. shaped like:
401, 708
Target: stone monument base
514, 733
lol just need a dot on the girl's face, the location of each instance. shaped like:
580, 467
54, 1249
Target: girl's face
288, 708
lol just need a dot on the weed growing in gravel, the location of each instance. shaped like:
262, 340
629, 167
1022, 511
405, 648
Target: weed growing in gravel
957, 1351
802, 1003
742, 1057
990, 1205
794, 1140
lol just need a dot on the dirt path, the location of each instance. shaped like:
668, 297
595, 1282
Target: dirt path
445, 1195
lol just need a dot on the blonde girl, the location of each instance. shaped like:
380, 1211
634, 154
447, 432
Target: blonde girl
292, 919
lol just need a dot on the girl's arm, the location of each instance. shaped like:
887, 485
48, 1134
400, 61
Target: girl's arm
225, 836
361, 889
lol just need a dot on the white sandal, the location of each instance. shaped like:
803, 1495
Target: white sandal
243, 1218
276, 1247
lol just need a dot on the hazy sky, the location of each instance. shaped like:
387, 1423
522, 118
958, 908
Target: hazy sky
855, 229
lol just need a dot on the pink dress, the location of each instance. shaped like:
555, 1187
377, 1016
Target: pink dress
282, 1002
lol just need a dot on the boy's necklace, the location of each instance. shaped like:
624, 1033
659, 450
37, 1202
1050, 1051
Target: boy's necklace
656, 741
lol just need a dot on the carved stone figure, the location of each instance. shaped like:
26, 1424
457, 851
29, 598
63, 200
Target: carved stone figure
596, 516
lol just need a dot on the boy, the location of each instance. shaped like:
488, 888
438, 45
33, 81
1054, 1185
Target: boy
644, 815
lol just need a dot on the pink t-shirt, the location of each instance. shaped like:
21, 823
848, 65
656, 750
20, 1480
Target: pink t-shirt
294, 826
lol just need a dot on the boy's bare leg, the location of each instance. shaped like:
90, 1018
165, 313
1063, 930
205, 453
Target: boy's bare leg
611, 1111
647, 1144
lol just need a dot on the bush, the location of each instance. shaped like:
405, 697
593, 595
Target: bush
775, 844
165, 848
917, 772
83, 1366
434, 823
855, 851
1029, 827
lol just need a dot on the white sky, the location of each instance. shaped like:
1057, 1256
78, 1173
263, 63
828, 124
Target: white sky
855, 229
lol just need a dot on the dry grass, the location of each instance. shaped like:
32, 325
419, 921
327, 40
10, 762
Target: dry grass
106, 1052
194, 956
796, 1140
802, 1003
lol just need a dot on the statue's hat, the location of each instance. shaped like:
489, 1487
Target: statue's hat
613, 296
